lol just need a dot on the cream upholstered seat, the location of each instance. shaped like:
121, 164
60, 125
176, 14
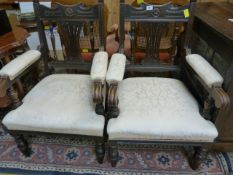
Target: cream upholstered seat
60, 103
160, 109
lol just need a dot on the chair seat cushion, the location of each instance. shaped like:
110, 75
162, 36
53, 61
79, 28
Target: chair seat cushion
158, 109
60, 103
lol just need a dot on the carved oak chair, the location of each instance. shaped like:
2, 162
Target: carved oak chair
69, 104
162, 110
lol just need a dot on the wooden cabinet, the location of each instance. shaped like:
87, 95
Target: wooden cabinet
213, 38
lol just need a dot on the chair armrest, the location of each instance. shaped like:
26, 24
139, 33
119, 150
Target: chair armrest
204, 70
115, 74
14, 69
99, 67
116, 68
210, 78
98, 76
18, 65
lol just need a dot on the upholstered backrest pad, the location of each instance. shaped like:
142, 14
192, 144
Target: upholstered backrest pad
20, 64
116, 68
205, 71
99, 66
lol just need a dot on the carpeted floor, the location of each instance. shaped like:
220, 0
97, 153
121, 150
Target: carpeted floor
72, 156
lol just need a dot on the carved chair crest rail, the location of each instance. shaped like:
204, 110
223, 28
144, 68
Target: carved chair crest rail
161, 110
69, 104
73, 22
153, 31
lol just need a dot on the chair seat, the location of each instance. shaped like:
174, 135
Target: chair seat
158, 109
60, 103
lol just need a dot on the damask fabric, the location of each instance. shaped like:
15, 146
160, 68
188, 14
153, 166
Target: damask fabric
99, 66
206, 72
58, 104
116, 68
158, 109
20, 64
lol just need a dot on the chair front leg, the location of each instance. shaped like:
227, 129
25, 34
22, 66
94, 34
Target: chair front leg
199, 155
22, 144
113, 153
100, 150
14, 97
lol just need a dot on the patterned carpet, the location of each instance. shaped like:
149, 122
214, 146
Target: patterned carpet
57, 155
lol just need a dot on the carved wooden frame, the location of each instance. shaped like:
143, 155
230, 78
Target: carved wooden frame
76, 13
199, 150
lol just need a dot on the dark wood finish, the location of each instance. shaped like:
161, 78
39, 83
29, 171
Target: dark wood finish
9, 43
100, 151
113, 153
71, 21
216, 15
199, 155
22, 144
14, 97
224, 121
155, 20
12, 40
211, 25
158, 19
98, 98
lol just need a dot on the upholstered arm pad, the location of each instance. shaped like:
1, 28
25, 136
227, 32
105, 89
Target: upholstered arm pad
99, 66
116, 68
205, 71
20, 64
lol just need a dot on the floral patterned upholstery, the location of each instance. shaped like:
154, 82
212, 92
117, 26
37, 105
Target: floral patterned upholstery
60, 103
20, 64
206, 72
158, 109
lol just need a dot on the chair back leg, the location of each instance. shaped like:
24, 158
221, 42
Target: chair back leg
113, 153
100, 151
22, 144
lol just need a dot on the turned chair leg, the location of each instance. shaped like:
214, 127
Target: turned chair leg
100, 151
23, 145
14, 97
113, 154
199, 155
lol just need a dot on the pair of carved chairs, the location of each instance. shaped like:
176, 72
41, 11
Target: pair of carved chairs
142, 110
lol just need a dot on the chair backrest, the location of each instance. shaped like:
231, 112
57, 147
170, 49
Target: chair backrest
153, 21
73, 22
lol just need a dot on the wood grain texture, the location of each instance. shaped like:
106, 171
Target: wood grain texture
112, 7
12, 39
216, 15
224, 120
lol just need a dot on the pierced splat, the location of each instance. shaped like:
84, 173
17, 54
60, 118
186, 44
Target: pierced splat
52, 38
70, 38
153, 34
